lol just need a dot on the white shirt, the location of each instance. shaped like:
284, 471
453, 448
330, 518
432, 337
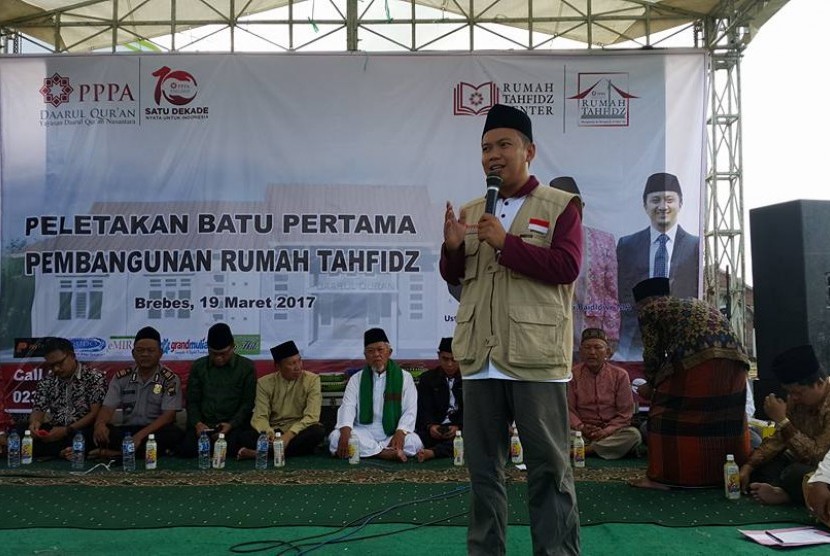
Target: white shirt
750, 400
350, 407
506, 210
453, 407
822, 474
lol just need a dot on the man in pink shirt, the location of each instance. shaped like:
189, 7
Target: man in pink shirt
600, 402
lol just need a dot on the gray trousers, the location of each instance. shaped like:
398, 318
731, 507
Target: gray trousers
618, 444
540, 410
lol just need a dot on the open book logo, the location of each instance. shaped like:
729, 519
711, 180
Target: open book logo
473, 100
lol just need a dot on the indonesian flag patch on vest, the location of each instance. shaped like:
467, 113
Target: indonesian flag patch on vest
538, 225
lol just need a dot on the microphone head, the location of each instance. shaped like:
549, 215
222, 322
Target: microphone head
493, 180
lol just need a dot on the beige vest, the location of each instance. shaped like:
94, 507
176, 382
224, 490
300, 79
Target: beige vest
524, 326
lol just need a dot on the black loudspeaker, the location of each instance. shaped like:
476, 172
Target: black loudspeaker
791, 284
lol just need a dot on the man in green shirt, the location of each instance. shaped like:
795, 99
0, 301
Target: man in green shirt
220, 393
287, 401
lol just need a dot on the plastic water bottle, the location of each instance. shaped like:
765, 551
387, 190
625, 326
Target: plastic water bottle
262, 451
354, 450
516, 454
151, 453
279, 450
458, 450
128, 453
571, 443
27, 448
204, 451
579, 450
220, 452
731, 479
78, 451
13, 448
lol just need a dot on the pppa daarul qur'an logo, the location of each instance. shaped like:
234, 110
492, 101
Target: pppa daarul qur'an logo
176, 86
603, 99
472, 100
56, 90
86, 103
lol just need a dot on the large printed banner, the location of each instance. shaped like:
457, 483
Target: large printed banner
302, 196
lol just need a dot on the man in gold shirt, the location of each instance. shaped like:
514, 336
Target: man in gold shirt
287, 401
775, 471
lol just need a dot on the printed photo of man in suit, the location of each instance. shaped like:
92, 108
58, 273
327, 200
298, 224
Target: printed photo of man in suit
664, 249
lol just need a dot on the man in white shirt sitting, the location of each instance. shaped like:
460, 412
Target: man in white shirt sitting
379, 407
817, 491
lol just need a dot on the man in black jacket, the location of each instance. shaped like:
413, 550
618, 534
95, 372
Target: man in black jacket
440, 412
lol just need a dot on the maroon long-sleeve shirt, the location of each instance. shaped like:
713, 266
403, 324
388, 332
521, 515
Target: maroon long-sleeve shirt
558, 264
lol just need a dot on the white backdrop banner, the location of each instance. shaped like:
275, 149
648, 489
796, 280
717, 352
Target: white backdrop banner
302, 196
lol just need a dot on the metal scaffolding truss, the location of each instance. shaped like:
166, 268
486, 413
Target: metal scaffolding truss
724, 234
413, 25
721, 27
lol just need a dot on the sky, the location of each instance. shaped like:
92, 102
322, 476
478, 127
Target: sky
785, 122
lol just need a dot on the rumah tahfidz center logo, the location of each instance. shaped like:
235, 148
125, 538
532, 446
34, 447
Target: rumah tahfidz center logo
56, 90
472, 100
535, 98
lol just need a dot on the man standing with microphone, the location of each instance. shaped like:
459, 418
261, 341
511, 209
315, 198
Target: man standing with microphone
513, 337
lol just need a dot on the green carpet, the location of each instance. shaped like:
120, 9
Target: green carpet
325, 492
400, 540
253, 505
222, 506
619, 503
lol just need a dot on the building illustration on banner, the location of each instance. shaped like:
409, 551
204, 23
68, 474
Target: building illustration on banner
603, 99
317, 263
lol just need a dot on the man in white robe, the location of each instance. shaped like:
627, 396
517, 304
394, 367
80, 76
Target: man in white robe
388, 431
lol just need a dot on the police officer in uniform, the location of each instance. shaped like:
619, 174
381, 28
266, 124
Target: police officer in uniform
149, 395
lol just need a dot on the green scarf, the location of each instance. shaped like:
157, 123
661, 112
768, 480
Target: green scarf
392, 409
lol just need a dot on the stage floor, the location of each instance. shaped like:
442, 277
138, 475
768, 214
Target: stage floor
417, 508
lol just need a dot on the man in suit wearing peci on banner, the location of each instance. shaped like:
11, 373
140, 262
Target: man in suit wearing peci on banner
663, 250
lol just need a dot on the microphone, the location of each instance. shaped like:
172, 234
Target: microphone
493, 185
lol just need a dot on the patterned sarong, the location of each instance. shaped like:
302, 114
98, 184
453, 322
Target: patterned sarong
697, 417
